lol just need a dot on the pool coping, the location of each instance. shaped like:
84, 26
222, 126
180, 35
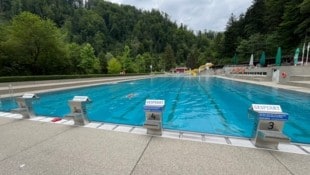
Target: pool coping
267, 84
296, 148
96, 82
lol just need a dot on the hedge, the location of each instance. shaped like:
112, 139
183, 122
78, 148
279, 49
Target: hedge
58, 77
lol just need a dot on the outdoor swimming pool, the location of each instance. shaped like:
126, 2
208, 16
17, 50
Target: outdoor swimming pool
197, 104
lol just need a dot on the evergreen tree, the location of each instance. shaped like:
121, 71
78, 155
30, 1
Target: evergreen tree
168, 57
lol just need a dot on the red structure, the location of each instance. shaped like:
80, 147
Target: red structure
180, 69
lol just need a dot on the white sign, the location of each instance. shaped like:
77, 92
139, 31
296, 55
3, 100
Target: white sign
29, 96
266, 108
81, 98
155, 103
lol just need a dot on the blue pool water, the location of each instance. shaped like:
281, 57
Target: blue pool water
196, 104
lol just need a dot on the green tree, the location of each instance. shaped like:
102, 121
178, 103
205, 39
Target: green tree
140, 64
303, 28
254, 45
114, 66
291, 18
126, 60
168, 58
231, 36
103, 63
148, 60
254, 18
273, 14
192, 59
34, 46
74, 57
89, 63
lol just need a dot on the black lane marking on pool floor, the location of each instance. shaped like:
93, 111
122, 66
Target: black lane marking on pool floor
174, 104
217, 108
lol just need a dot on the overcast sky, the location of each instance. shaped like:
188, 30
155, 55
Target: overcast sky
196, 14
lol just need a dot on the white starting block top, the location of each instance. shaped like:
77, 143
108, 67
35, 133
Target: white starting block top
81, 98
266, 108
28, 95
269, 112
157, 103
154, 105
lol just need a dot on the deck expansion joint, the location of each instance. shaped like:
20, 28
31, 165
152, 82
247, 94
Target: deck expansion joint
227, 140
115, 127
99, 125
303, 149
147, 145
181, 135
131, 129
203, 137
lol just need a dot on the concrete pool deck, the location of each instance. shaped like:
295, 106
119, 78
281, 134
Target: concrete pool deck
42, 147
29, 147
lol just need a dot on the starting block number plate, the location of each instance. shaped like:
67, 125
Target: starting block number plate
266, 108
81, 98
155, 103
29, 96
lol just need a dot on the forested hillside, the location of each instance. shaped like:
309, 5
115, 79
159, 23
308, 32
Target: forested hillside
42, 37
67, 37
266, 25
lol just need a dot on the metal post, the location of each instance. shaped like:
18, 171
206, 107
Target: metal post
308, 48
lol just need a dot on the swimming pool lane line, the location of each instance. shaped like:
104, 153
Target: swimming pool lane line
135, 105
169, 82
253, 102
123, 89
264, 90
219, 103
219, 86
297, 127
174, 103
219, 111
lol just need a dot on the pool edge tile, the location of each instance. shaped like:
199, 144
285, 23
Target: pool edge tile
215, 139
241, 142
139, 130
92, 125
123, 128
290, 148
192, 137
106, 126
170, 134
37, 118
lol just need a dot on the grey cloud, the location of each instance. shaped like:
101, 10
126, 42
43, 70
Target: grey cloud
196, 14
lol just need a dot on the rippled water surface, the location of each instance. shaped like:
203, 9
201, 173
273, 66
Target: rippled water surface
205, 104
